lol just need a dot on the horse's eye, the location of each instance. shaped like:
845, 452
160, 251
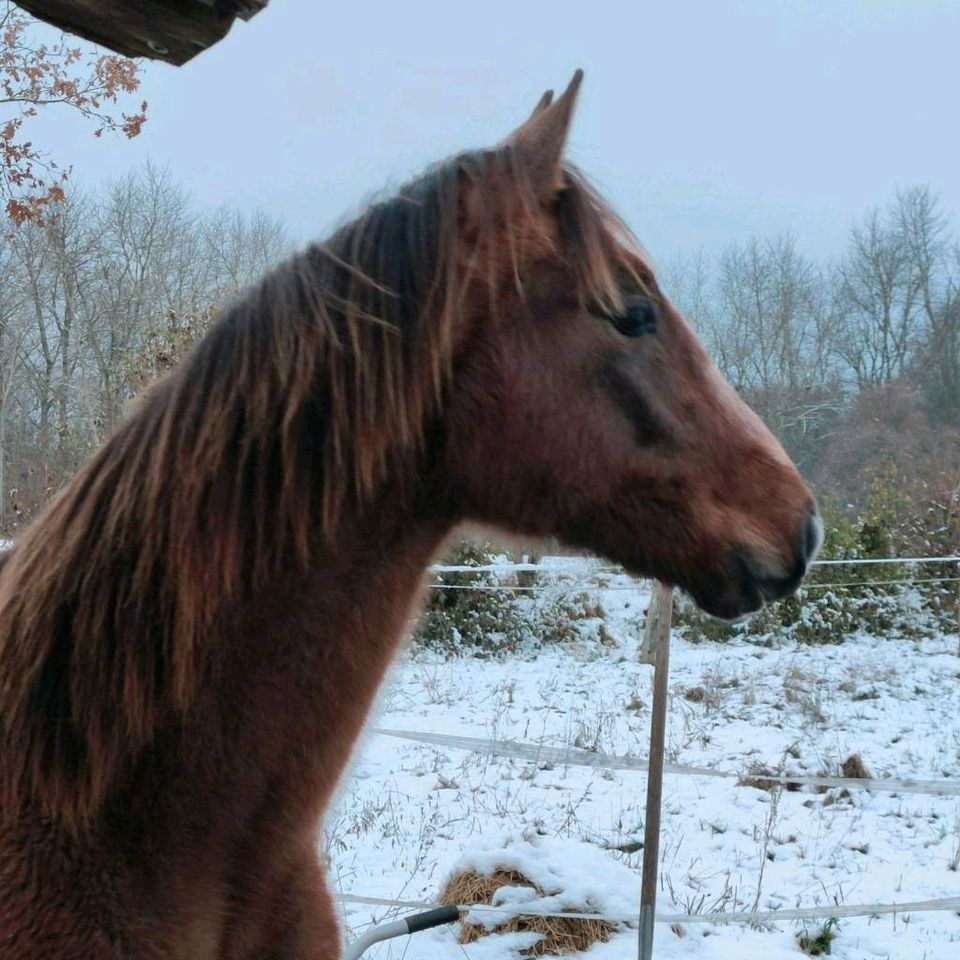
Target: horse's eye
639, 317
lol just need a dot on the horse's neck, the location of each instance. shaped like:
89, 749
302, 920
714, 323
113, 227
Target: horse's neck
377, 569
308, 656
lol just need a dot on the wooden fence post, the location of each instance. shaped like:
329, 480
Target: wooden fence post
655, 650
653, 624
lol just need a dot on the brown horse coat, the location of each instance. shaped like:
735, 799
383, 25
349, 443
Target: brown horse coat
192, 634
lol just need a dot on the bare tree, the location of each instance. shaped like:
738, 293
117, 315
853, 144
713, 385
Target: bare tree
106, 293
689, 282
936, 269
14, 332
239, 248
764, 316
879, 301
771, 334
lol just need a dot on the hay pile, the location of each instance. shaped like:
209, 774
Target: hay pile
558, 935
855, 768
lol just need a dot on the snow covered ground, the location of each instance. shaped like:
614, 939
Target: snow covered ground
410, 811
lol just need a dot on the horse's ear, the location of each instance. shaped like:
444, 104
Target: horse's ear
542, 138
542, 104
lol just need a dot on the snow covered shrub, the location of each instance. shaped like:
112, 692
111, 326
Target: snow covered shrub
561, 617
490, 614
840, 600
483, 619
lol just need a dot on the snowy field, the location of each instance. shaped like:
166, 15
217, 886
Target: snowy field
409, 812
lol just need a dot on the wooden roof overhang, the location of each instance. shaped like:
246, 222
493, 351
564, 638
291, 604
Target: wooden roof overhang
170, 30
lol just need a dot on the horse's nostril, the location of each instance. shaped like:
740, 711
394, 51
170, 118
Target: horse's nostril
813, 536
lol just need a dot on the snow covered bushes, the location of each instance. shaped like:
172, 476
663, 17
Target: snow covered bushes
841, 600
489, 614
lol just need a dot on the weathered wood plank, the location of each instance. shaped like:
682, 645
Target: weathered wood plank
170, 30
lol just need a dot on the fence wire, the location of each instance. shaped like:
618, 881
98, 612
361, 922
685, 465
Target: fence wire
571, 576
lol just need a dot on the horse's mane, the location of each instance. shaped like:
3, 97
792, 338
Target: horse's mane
305, 394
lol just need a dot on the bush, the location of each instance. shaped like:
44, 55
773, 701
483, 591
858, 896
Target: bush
837, 601
500, 615
457, 620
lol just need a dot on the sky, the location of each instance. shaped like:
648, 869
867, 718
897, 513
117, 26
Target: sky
705, 122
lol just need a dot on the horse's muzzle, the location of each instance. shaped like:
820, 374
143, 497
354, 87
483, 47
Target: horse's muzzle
750, 583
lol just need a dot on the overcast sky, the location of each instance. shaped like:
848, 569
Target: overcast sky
704, 121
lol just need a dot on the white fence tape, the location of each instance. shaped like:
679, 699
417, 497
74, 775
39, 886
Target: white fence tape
739, 916
543, 753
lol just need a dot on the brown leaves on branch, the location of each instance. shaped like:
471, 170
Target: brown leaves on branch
35, 75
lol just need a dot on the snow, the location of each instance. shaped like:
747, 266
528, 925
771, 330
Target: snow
410, 813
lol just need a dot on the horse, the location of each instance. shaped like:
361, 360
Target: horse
193, 632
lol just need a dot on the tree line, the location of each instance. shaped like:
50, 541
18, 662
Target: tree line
95, 301
855, 362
